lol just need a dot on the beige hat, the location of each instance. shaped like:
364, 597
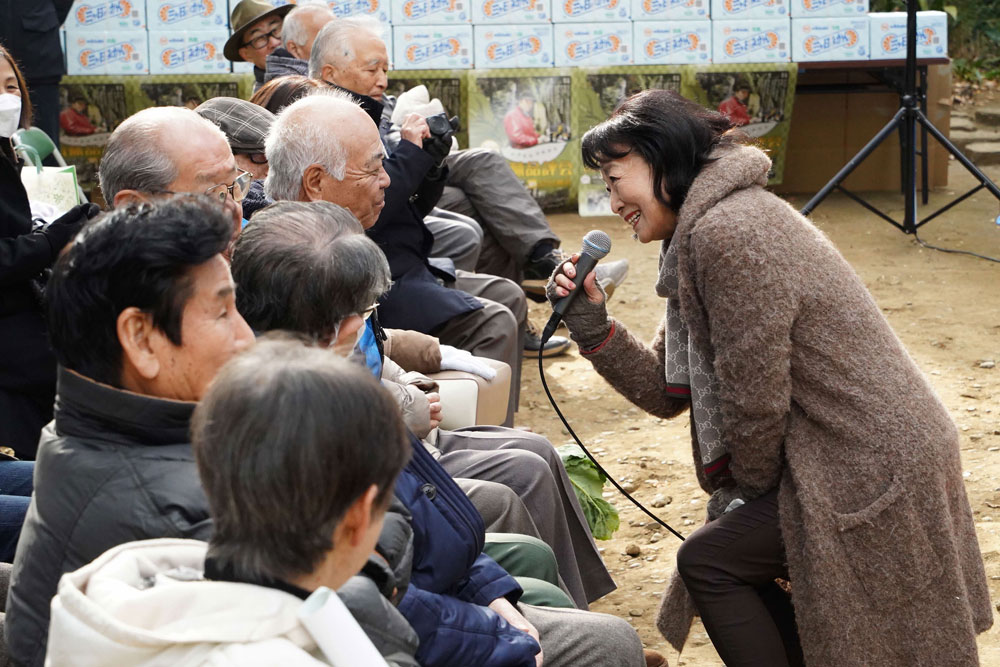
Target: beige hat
245, 14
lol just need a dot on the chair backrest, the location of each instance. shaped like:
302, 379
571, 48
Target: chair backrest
37, 139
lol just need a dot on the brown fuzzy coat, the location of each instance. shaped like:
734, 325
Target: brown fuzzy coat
819, 396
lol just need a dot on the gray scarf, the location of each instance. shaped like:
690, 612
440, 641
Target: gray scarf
689, 373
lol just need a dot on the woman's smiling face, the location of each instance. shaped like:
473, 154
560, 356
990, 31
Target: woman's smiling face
629, 180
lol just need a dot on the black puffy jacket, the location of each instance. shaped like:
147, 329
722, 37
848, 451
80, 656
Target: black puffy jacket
30, 30
112, 467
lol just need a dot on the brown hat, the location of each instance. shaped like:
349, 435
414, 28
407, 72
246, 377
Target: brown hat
244, 15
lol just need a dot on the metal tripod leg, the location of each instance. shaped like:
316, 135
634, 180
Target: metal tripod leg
853, 163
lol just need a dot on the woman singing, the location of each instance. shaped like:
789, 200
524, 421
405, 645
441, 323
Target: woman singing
830, 461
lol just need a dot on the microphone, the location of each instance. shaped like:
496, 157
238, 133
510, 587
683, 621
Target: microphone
596, 246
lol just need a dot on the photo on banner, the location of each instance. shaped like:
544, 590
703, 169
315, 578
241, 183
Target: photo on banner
758, 98
88, 114
448, 86
596, 94
185, 90
526, 115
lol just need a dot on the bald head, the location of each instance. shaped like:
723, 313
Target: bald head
326, 148
167, 150
143, 153
301, 26
350, 53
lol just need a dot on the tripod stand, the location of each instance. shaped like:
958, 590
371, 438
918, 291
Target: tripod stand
906, 120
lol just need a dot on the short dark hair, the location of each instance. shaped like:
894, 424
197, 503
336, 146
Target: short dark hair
282, 91
305, 267
137, 256
671, 133
286, 439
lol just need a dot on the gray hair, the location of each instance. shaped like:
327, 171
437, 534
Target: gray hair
136, 157
308, 432
293, 29
297, 140
305, 267
334, 44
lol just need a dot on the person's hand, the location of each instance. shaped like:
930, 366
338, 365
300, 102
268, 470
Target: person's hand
65, 227
587, 316
414, 129
564, 276
509, 613
434, 399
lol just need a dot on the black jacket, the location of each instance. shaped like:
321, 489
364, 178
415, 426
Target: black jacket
30, 30
27, 366
113, 467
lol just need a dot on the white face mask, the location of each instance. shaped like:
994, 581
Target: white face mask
10, 114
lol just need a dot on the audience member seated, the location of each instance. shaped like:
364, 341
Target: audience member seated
172, 150
465, 608
278, 93
517, 241
141, 314
277, 420
246, 126
298, 32
305, 267
324, 147
256, 26
27, 367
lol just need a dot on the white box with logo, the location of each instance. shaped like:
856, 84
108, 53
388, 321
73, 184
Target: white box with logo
187, 52
673, 42
760, 41
438, 12
748, 9
511, 11
888, 35
527, 45
91, 52
829, 39
186, 15
106, 15
593, 44
432, 47
827, 8
591, 10
377, 9
662, 10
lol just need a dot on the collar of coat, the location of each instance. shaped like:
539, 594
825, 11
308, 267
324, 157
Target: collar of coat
88, 409
730, 168
371, 106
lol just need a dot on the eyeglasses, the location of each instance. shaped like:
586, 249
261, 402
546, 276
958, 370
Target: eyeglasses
367, 312
237, 189
260, 41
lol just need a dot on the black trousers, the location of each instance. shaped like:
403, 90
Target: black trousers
729, 567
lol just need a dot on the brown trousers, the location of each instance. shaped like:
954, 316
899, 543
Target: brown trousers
729, 567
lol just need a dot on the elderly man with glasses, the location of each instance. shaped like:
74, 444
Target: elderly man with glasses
256, 34
172, 150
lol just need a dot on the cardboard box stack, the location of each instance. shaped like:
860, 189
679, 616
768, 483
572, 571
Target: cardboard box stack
187, 36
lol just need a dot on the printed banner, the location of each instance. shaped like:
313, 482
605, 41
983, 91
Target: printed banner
758, 98
526, 115
446, 85
93, 106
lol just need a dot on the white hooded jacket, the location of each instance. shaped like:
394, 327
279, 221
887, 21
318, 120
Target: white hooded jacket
146, 603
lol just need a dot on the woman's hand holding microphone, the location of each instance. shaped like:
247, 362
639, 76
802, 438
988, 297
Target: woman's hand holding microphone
587, 316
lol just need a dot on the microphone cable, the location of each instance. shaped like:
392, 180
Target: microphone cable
607, 475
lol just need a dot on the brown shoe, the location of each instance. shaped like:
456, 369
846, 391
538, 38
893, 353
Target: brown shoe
654, 659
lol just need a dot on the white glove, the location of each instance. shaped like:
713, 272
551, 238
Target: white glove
454, 359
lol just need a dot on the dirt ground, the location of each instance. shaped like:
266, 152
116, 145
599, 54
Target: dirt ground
945, 308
